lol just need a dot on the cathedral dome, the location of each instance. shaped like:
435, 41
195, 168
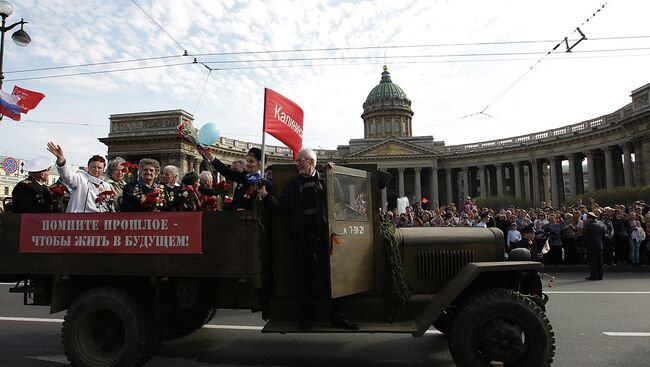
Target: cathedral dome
387, 110
386, 92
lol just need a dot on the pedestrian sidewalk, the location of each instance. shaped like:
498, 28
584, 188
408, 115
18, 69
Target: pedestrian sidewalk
585, 268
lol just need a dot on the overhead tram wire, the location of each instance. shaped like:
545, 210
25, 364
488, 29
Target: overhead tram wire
101, 63
99, 72
185, 53
547, 54
396, 60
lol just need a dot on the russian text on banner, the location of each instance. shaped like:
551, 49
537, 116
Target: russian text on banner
283, 119
118, 233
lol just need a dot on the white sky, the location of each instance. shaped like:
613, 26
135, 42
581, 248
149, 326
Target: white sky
561, 90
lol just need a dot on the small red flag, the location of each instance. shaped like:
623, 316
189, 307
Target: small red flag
27, 99
283, 120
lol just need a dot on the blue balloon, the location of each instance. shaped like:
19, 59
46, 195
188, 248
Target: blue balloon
209, 134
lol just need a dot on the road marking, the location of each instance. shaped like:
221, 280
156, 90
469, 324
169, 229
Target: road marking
56, 358
233, 327
222, 327
622, 333
31, 319
597, 292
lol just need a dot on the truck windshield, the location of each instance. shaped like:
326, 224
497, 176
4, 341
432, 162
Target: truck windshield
350, 198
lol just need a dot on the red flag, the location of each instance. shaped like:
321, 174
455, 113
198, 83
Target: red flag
28, 99
283, 119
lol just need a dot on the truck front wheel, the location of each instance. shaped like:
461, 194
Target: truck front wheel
502, 327
106, 327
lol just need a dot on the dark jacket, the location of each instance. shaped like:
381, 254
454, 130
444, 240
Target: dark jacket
173, 198
133, 194
30, 196
239, 200
593, 236
290, 204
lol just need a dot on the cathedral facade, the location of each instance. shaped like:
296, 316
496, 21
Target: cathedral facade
616, 148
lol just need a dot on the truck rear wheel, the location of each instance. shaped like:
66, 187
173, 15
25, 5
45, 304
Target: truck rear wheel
502, 327
106, 327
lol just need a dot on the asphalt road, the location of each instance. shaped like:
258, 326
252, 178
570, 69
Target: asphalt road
604, 323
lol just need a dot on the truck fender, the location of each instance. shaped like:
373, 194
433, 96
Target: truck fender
453, 289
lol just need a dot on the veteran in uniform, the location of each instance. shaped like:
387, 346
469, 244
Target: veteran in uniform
32, 195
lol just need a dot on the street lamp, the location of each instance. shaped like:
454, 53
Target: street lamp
20, 37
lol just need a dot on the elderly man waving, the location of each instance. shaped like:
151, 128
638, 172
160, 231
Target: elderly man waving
85, 186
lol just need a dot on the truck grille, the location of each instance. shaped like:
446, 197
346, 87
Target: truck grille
442, 264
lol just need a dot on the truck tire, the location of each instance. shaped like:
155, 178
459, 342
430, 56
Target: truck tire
504, 326
107, 327
180, 323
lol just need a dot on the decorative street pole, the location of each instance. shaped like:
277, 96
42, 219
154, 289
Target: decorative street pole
20, 37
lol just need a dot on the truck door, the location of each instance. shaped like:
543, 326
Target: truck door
352, 266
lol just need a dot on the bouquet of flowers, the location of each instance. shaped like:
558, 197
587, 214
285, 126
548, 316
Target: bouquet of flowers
190, 200
57, 193
105, 201
210, 203
153, 201
129, 170
223, 188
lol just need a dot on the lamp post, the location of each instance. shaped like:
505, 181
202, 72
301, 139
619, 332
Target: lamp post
20, 37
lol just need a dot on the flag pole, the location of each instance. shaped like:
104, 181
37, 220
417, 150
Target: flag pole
263, 134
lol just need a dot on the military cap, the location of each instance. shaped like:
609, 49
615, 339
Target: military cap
190, 178
37, 164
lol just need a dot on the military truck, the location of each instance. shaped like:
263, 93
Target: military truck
132, 280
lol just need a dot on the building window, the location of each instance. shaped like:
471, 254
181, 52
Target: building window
6, 190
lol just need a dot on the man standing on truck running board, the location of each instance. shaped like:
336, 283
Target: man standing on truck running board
304, 200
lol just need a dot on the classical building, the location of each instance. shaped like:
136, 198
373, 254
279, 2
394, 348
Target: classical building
616, 147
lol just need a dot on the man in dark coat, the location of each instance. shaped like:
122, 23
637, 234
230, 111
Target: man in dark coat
594, 239
304, 200
32, 195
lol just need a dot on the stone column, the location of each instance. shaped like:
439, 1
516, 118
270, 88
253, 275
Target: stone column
591, 170
417, 184
627, 165
384, 199
465, 182
517, 168
573, 178
197, 164
555, 194
433, 188
481, 178
448, 173
500, 188
535, 177
400, 182
609, 169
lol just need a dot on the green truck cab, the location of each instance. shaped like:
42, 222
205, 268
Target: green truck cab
121, 306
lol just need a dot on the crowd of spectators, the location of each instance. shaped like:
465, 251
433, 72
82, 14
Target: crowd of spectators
627, 227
